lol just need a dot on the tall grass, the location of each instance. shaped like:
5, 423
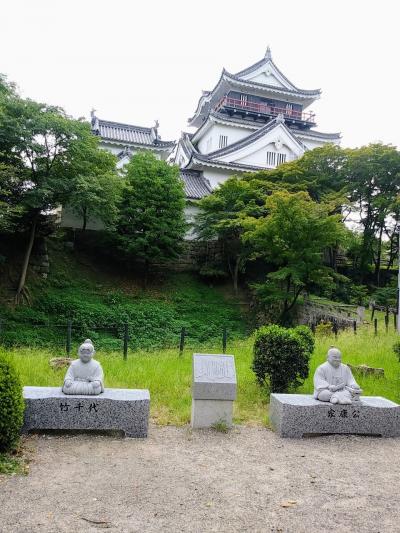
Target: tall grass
168, 376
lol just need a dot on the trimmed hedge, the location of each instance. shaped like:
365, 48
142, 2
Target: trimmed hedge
11, 406
282, 356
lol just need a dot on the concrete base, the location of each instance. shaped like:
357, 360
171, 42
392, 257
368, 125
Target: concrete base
124, 410
299, 415
206, 413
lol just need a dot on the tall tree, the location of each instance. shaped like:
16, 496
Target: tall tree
97, 187
151, 223
293, 238
48, 152
373, 177
223, 215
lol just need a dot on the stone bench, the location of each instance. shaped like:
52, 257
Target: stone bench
124, 410
299, 415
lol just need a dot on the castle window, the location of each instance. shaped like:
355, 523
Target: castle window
274, 159
223, 141
281, 159
271, 159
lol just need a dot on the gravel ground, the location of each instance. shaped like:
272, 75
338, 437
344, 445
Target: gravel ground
178, 480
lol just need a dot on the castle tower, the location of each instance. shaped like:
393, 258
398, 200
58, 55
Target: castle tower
252, 120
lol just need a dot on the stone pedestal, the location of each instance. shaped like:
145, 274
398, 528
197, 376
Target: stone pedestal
124, 410
299, 415
213, 390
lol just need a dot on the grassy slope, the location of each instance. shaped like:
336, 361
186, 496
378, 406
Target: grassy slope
95, 295
168, 377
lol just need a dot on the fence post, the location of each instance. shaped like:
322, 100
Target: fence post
355, 327
373, 312
395, 321
126, 338
386, 323
224, 336
335, 329
313, 327
69, 335
376, 326
182, 341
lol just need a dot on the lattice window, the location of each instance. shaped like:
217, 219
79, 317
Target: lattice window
274, 159
223, 141
271, 159
281, 159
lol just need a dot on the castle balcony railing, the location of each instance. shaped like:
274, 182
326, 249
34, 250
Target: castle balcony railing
247, 107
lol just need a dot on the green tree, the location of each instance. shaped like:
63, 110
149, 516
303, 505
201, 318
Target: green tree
293, 239
97, 188
224, 213
47, 153
319, 172
373, 177
151, 223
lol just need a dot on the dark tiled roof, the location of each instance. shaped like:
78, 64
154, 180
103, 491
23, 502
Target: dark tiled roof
250, 139
128, 133
228, 80
304, 92
268, 59
250, 122
186, 144
316, 134
195, 184
204, 160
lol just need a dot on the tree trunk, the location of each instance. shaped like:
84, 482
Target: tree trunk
25, 263
84, 215
146, 273
378, 259
236, 275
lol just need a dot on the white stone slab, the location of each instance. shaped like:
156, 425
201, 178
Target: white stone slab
206, 413
125, 410
214, 377
298, 415
213, 389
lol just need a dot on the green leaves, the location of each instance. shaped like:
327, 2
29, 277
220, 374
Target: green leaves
293, 238
11, 406
282, 356
151, 223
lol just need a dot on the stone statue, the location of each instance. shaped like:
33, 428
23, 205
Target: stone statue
84, 375
334, 382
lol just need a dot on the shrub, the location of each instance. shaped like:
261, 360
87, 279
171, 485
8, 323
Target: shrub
11, 406
283, 356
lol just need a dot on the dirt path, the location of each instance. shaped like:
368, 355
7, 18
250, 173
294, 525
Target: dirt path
205, 481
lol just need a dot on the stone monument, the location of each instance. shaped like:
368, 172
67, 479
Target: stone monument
84, 375
334, 382
213, 390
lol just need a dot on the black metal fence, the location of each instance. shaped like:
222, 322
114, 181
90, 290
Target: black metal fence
66, 335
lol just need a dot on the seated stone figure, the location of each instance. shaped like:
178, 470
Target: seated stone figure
84, 375
334, 382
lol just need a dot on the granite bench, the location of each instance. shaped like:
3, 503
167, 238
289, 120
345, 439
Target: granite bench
299, 415
48, 408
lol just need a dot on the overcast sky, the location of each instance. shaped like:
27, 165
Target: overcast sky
139, 61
